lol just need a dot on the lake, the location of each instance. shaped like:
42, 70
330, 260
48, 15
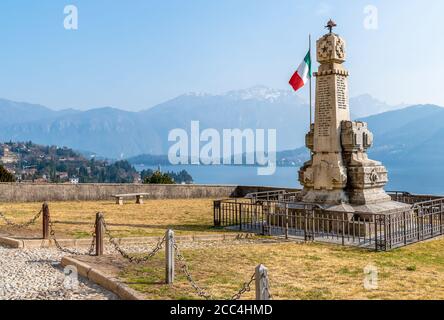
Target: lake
426, 180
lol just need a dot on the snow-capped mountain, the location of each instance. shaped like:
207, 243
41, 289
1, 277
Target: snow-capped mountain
263, 93
112, 132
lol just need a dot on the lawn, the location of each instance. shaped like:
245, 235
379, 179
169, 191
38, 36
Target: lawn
76, 219
300, 271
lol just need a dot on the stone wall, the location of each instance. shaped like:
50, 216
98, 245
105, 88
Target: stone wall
34, 192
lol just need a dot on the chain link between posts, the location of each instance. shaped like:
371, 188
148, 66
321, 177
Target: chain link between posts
184, 267
90, 251
21, 225
131, 258
245, 288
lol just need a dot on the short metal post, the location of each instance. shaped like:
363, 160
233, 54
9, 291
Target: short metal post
240, 216
440, 216
404, 217
376, 218
286, 220
169, 256
99, 234
262, 283
45, 217
343, 228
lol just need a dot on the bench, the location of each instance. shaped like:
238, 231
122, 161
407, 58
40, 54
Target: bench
139, 197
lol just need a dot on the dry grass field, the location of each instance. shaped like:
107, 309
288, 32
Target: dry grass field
76, 219
301, 271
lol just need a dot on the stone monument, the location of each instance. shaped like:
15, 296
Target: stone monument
339, 175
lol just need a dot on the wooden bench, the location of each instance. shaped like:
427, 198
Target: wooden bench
138, 196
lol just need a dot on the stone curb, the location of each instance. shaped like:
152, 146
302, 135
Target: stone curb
11, 243
41, 243
109, 283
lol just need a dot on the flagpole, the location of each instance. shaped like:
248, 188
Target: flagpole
309, 50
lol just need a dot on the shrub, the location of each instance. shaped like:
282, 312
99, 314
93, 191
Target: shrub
5, 175
158, 177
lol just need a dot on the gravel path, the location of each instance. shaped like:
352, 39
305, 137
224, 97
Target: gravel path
37, 274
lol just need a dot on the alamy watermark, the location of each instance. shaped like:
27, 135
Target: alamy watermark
371, 20
234, 146
71, 21
71, 279
370, 277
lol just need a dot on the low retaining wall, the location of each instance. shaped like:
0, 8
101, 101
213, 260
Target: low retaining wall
35, 192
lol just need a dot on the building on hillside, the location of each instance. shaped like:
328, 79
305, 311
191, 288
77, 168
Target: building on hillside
74, 180
8, 156
29, 171
63, 175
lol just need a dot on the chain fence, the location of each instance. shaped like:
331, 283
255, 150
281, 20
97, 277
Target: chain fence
185, 269
133, 258
91, 250
21, 225
126, 255
245, 288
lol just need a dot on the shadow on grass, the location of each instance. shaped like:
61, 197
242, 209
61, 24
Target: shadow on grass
179, 227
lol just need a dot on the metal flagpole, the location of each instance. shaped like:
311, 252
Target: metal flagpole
309, 52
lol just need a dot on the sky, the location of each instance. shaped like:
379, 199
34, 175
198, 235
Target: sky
136, 54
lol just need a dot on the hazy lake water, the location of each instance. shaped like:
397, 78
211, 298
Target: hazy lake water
427, 180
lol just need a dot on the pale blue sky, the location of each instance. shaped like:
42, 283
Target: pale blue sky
135, 54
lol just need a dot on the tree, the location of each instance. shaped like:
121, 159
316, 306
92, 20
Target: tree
158, 178
5, 175
181, 177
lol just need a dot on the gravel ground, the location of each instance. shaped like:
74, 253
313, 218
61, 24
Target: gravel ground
36, 274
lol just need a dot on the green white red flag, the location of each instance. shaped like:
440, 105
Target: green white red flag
303, 74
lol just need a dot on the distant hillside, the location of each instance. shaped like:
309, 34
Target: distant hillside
22, 112
402, 138
409, 136
32, 162
365, 105
114, 133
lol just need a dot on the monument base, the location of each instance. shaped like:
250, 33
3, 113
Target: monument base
364, 201
325, 197
368, 196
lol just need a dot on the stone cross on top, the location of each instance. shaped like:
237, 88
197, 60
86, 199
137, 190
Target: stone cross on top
330, 25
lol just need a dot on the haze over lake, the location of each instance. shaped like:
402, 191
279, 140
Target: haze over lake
427, 180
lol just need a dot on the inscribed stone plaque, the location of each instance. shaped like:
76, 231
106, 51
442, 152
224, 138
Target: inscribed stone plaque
323, 99
341, 91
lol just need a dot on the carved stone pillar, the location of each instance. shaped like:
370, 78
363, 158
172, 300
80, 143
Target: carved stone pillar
324, 177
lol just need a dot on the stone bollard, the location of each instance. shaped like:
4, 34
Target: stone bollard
99, 234
262, 283
169, 256
45, 218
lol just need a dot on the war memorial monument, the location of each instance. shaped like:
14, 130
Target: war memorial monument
340, 176
342, 197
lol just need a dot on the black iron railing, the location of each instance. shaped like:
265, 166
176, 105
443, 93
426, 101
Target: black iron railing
423, 220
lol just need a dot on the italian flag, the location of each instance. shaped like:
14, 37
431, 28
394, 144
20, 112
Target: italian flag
303, 74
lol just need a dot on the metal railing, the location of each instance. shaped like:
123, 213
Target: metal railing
406, 197
309, 222
276, 195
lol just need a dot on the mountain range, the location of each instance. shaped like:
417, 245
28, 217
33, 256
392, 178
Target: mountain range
115, 133
407, 138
